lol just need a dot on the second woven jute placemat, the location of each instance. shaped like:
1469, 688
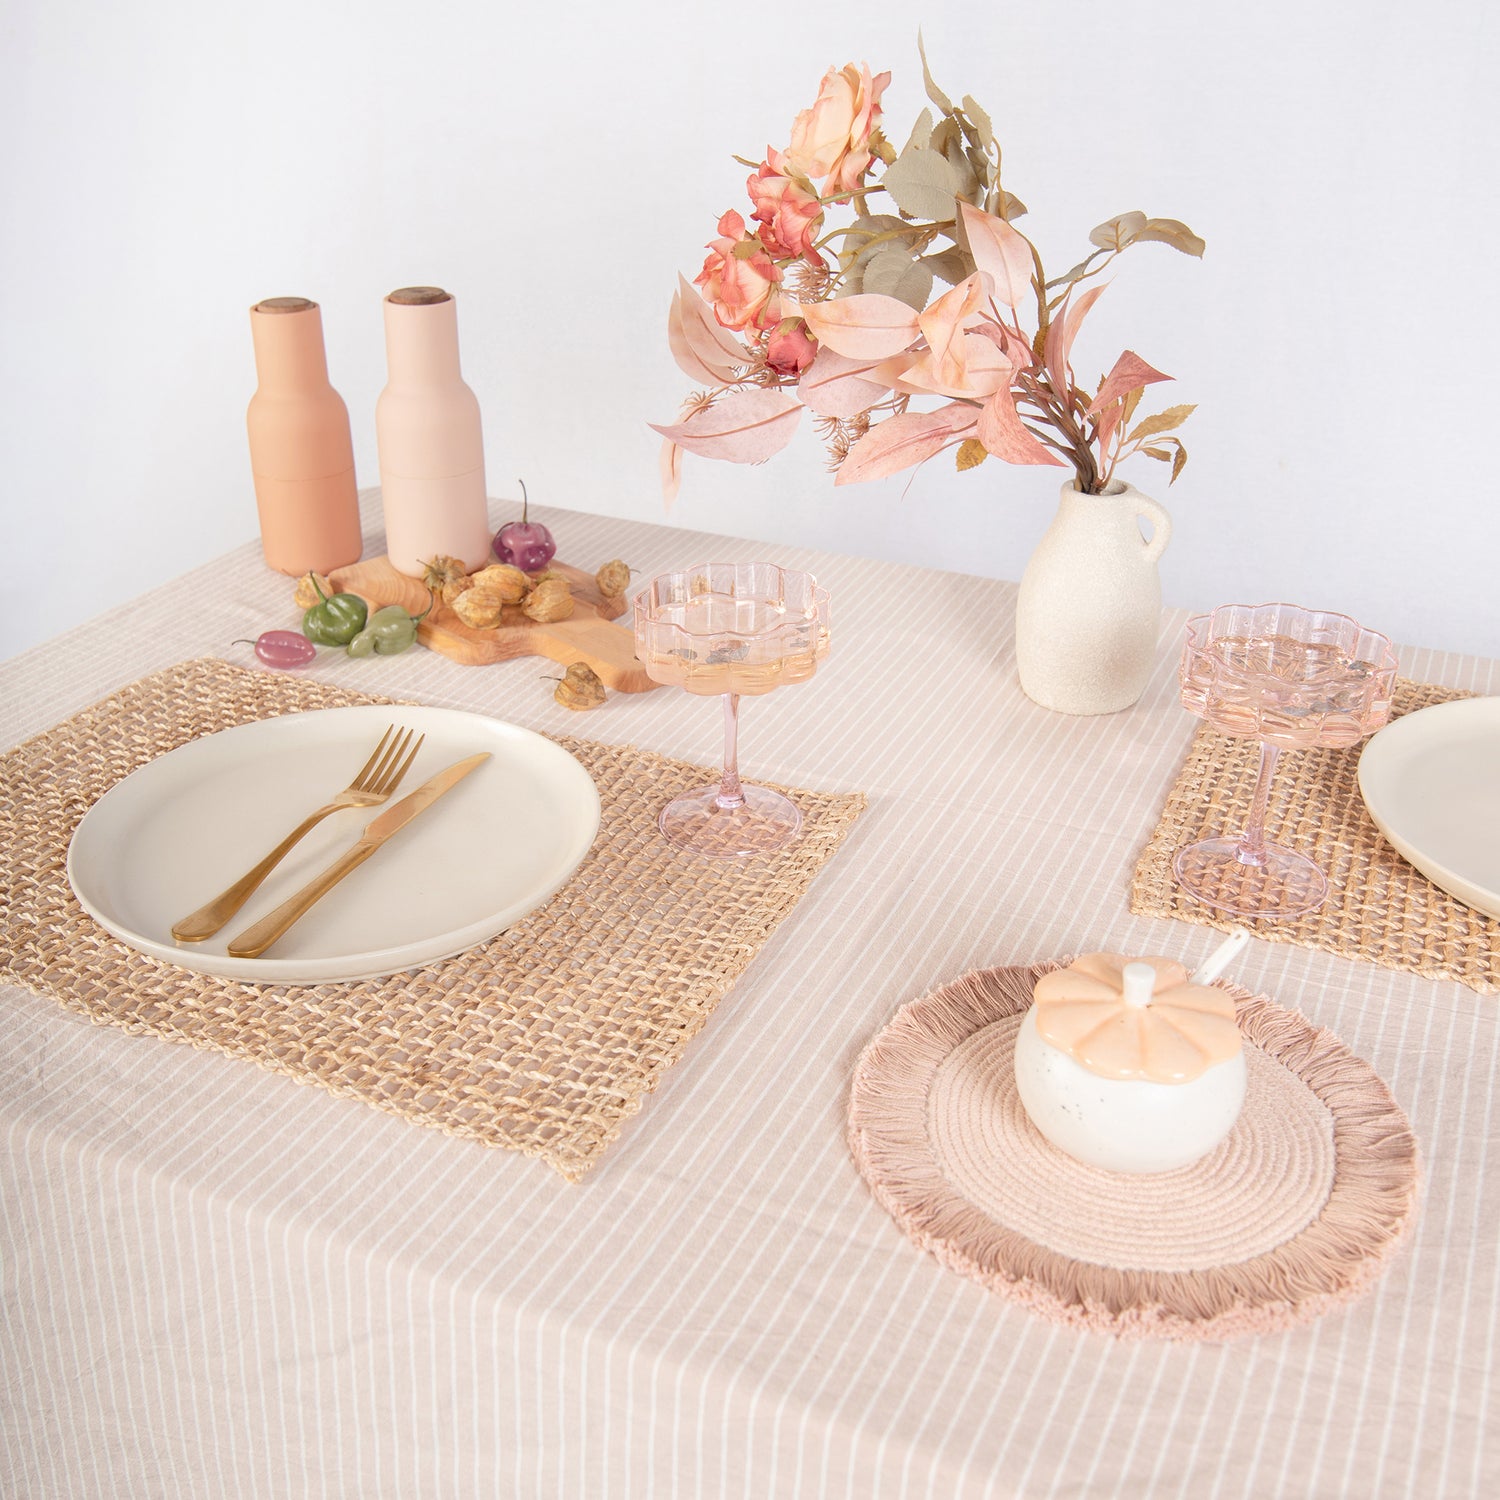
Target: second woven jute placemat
1379, 908
544, 1040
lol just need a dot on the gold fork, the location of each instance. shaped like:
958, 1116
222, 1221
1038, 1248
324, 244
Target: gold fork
380, 777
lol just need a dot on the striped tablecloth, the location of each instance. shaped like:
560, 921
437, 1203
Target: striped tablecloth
216, 1283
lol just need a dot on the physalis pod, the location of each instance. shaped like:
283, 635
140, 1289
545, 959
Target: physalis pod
312, 589
509, 583
479, 608
550, 600
579, 688
613, 579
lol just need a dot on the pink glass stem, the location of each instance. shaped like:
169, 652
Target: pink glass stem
730, 796
1252, 846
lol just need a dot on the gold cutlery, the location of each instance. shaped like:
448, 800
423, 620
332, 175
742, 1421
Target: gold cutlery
380, 776
254, 940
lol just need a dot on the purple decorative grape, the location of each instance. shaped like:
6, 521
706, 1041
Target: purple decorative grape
283, 649
524, 544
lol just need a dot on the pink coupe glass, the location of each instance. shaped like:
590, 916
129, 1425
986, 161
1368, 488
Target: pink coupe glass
1291, 678
731, 630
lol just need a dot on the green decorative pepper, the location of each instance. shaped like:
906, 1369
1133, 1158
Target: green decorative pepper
337, 620
389, 632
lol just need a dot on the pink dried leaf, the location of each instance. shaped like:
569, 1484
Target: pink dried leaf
1061, 332
1016, 348
1001, 252
1002, 431
688, 359
866, 326
905, 440
747, 427
834, 385
981, 369
943, 325
671, 470
718, 349
1130, 373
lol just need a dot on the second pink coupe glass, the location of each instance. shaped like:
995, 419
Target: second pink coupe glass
1291, 678
731, 630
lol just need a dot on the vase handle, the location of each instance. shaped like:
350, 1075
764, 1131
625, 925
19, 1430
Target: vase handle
1161, 526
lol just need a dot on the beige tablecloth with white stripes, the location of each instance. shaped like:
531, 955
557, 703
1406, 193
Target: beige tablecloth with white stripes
216, 1283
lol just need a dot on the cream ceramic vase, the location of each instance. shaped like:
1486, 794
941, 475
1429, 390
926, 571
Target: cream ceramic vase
1090, 604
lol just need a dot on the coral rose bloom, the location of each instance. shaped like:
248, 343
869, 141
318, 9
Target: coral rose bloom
787, 210
832, 139
739, 278
789, 351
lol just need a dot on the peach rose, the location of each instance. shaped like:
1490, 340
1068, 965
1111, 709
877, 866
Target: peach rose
787, 210
790, 350
739, 278
832, 139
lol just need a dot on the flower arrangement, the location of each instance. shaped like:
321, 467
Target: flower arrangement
772, 325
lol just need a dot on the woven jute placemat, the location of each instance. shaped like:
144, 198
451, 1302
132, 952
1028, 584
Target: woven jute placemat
1378, 908
1294, 1214
544, 1040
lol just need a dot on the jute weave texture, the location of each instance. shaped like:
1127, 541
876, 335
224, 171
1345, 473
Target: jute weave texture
544, 1040
1379, 908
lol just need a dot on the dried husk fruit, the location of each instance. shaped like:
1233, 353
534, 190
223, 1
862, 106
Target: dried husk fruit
509, 583
479, 608
613, 579
308, 586
446, 577
550, 600
579, 688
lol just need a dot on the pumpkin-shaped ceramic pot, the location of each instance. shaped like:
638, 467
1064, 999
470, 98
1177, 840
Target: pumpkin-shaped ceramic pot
1125, 1064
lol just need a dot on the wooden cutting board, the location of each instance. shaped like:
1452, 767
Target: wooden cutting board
587, 636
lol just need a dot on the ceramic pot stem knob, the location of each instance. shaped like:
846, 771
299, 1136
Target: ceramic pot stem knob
300, 449
430, 438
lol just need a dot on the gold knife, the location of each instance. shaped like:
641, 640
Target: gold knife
254, 940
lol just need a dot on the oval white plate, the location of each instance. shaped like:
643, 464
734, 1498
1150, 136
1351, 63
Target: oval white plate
1431, 782
188, 824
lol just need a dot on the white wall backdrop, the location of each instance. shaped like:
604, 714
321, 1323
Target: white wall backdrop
166, 163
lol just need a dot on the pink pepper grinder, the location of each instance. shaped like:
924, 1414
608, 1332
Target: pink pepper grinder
428, 430
300, 449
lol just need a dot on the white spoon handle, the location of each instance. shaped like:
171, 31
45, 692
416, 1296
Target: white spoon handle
1221, 957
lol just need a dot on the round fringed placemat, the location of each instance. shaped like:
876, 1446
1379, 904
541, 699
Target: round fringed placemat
1291, 1216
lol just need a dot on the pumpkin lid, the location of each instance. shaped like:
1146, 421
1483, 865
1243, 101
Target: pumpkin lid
1135, 1018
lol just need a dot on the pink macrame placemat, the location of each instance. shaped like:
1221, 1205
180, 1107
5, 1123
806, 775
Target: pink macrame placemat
1295, 1214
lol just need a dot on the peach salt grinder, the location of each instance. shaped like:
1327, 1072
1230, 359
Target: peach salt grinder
301, 454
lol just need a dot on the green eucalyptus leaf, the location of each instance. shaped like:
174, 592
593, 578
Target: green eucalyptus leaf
934, 93
984, 131
894, 273
950, 265
870, 234
924, 185
921, 133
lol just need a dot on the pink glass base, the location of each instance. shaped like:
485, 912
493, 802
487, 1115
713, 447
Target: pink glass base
1278, 883
761, 822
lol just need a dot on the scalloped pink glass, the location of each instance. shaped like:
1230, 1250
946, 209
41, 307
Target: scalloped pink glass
731, 630
1291, 678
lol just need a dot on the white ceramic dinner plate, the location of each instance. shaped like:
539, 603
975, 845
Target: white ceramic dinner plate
1431, 782
179, 830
